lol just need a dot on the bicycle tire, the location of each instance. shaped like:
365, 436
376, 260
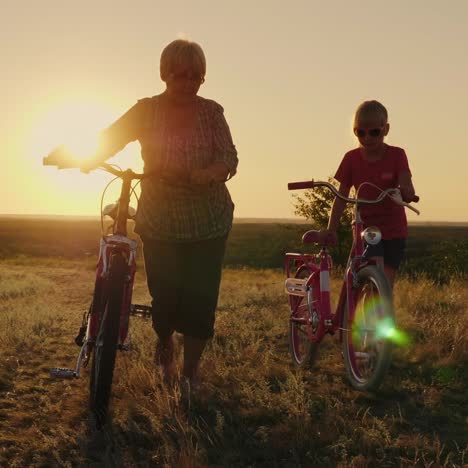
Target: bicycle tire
303, 351
366, 350
105, 349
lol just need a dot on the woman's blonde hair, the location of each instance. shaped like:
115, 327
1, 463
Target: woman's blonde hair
370, 110
182, 53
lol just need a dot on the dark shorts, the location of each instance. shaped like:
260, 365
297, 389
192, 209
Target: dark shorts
183, 280
392, 251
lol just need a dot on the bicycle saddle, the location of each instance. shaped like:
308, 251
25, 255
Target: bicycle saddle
314, 237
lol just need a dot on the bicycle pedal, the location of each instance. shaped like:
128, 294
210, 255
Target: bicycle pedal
139, 310
63, 372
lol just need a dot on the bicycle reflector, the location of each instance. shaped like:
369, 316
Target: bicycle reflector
372, 235
296, 286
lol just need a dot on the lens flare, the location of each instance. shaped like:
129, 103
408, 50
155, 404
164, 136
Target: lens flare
387, 330
372, 325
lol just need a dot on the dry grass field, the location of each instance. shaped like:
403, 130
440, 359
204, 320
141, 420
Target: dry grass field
254, 409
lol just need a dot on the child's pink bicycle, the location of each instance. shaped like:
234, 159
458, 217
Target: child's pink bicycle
105, 327
364, 314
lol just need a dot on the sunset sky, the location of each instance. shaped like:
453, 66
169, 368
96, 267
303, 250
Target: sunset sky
288, 74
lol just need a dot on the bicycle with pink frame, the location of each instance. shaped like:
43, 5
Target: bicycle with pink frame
364, 315
105, 326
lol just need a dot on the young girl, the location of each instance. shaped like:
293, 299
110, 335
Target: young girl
383, 166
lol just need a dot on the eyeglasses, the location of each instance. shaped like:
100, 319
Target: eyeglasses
187, 76
372, 132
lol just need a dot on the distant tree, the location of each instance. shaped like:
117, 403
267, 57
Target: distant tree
315, 205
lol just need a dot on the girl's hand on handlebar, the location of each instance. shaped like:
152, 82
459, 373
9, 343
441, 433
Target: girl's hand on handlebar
406, 187
396, 196
407, 194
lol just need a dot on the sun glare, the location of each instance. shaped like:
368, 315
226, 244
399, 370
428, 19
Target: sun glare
75, 124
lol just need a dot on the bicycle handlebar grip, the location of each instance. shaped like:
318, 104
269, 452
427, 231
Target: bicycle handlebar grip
301, 185
414, 199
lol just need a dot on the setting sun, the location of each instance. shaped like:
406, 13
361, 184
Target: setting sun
76, 124
73, 123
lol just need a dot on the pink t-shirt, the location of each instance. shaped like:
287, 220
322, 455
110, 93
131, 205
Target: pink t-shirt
387, 215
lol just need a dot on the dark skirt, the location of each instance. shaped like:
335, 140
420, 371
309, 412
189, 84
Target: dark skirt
183, 280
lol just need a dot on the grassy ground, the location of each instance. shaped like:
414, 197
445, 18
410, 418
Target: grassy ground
254, 408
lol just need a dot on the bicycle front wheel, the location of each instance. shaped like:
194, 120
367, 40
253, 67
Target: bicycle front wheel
303, 350
105, 347
367, 348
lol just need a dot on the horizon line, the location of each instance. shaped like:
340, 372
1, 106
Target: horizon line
237, 219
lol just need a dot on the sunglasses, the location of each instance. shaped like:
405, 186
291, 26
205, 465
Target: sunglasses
187, 76
372, 132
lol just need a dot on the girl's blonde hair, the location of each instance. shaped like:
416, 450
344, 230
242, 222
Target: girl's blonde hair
182, 53
370, 110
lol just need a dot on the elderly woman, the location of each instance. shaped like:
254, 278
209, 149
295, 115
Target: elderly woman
184, 222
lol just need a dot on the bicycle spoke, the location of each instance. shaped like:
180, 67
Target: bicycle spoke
303, 349
367, 354
361, 354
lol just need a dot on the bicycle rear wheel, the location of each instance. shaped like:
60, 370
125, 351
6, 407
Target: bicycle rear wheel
303, 351
366, 348
105, 349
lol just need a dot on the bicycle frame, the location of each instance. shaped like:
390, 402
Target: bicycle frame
318, 283
116, 243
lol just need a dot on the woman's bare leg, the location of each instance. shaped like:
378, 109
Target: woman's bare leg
193, 349
165, 357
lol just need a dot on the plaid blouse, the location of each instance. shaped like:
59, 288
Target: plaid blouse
171, 212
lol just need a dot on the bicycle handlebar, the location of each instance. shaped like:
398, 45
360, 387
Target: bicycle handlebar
63, 159
311, 184
59, 158
121, 174
393, 193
